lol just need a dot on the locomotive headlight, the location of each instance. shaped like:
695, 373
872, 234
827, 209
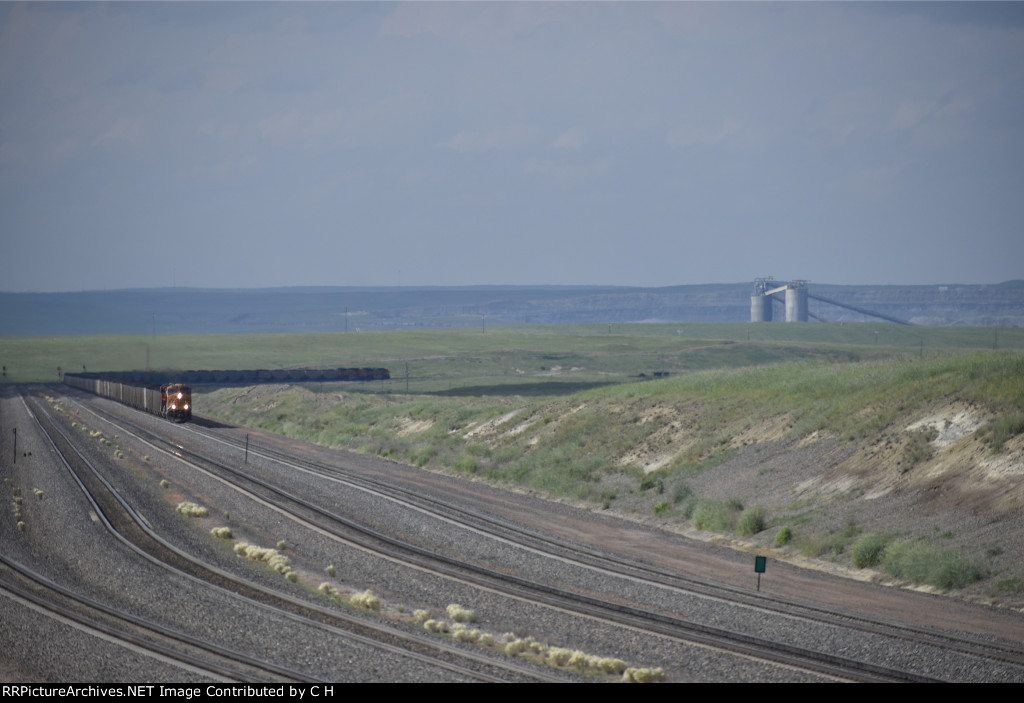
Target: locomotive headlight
185, 407
174, 406
179, 396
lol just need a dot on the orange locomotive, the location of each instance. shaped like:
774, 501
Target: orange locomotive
176, 402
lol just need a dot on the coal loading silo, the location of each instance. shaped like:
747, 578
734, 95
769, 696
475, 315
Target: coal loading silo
796, 302
760, 308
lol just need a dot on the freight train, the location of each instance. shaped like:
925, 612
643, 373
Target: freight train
145, 390
247, 377
170, 400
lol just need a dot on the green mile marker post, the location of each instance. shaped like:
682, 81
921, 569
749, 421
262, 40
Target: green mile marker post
759, 565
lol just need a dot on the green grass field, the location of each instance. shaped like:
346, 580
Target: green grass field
465, 357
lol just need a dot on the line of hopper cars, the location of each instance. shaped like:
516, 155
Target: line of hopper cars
170, 400
250, 376
146, 390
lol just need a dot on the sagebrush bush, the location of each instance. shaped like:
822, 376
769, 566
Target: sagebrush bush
868, 551
578, 659
440, 626
420, 616
783, 536
632, 675
459, 614
559, 656
714, 516
192, 510
923, 563
463, 633
515, 648
221, 532
751, 522
366, 599
276, 561
612, 666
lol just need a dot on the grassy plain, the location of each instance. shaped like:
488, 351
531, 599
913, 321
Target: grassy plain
576, 411
464, 356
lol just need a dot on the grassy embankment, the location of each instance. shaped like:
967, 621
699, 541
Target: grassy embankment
563, 444
563, 409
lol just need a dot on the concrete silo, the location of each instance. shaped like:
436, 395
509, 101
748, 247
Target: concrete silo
796, 302
760, 308
761, 300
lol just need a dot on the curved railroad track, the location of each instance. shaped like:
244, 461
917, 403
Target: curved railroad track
122, 520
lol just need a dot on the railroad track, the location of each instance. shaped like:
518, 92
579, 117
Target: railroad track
192, 656
123, 521
631, 615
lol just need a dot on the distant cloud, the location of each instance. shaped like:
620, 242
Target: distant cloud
474, 25
565, 175
573, 139
227, 171
506, 138
295, 125
880, 181
124, 130
689, 135
909, 113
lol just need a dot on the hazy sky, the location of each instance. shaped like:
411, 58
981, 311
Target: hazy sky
331, 143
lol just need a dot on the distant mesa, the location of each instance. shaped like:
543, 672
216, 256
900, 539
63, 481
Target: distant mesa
145, 313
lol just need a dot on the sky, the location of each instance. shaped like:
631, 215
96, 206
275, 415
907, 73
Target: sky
266, 144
